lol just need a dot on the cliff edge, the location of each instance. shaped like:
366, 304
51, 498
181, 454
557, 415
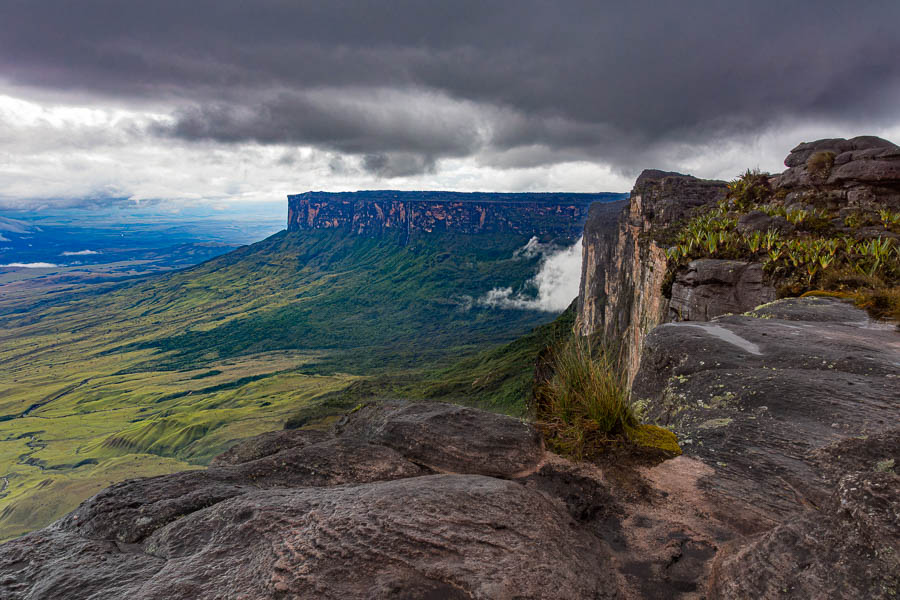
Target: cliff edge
623, 268
687, 249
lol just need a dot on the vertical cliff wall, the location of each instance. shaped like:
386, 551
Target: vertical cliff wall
373, 213
623, 267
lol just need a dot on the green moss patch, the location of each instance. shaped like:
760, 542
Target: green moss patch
653, 439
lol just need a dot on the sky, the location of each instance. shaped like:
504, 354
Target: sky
230, 102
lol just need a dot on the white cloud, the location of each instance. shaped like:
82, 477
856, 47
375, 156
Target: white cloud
34, 265
66, 154
79, 253
556, 281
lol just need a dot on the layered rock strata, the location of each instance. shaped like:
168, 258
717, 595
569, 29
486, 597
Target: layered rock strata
375, 213
710, 288
623, 268
623, 291
854, 172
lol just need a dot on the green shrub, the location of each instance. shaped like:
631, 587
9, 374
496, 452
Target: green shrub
585, 402
750, 188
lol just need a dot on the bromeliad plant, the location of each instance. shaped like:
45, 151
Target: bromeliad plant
799, 258
805, 254
889, 218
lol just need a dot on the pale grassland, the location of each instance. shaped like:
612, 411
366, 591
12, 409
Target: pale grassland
162, 373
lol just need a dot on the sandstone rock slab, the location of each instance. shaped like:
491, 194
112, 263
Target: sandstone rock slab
709, 288
450, 438
753, 396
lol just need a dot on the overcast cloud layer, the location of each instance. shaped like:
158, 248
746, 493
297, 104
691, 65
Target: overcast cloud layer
229, 100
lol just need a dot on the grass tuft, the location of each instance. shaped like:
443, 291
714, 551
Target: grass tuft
586, 402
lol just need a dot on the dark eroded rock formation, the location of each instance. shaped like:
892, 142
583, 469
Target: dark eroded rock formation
711, 288
795, 409
753, 394
853, 171
297, 514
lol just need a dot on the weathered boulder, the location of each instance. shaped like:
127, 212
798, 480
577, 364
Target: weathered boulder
449, 438
753, 395
370, 541
354, 514
267, 444
854, 148
854, 171
710, 288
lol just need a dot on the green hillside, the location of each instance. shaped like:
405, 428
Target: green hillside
161, 373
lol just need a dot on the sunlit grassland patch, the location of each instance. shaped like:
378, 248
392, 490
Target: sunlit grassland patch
172, 369
174, 420
34, 498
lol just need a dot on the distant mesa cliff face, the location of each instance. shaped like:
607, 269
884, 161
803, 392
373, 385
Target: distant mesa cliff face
374, 213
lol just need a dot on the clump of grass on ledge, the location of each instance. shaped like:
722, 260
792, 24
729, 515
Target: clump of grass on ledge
585, 403
880, 303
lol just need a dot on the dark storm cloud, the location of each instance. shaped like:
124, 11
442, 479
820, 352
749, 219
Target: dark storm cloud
402, 84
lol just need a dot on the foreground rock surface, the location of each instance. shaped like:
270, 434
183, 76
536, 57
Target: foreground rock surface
794, 407
787, 489
297, 514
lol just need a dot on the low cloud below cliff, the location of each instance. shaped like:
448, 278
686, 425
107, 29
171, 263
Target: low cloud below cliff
554, 286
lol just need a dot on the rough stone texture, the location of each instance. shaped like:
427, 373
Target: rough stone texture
754, 396
756, 220
860, 170
447, 437
373, 541
373, 213
623, 269
847, 548
788, 420
296, 514
794, 408
266, 445
711, 288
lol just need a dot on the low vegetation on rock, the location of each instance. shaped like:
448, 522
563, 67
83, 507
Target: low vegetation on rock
816, 244
584, 405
